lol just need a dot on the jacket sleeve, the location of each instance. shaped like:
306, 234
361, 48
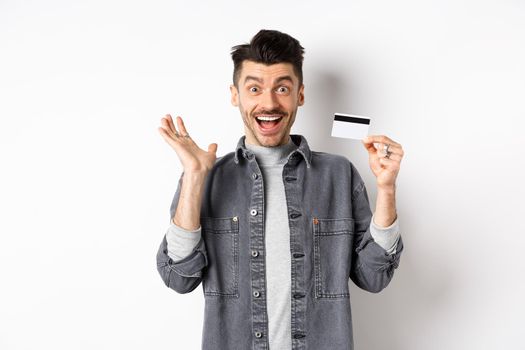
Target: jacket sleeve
372, 266
183, 276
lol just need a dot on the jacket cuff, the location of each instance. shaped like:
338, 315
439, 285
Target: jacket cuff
375, 257
181, 242
190, 266
386, 237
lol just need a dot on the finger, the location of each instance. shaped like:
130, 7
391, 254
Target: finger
378, 149
395, 148
374, 147
171, 124
167, 127
392, 156
382, 150
370, 147
396, 153
381, 139
167, 137
181, 125
212, 148
382, 147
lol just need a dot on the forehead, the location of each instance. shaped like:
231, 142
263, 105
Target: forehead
267, 73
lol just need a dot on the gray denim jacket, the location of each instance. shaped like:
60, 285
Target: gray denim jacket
330, 242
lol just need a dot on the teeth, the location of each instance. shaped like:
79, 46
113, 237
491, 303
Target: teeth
268, 118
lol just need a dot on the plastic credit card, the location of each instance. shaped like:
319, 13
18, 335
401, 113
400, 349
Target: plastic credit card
350, 126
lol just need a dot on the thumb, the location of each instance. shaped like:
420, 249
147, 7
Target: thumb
369, 147
213, 148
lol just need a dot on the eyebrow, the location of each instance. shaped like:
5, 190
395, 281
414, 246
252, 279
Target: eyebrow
259, 80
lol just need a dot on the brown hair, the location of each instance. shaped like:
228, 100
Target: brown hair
269, 47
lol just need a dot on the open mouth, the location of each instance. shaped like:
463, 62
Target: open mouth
269, 122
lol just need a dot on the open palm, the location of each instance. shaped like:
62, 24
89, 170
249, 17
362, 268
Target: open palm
193, 158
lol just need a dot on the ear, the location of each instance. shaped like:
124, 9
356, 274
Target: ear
235, 96
300, 100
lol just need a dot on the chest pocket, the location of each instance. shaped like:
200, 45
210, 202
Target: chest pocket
333, 241
221, 236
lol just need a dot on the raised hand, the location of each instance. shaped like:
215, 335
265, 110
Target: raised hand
193, 158
384, 159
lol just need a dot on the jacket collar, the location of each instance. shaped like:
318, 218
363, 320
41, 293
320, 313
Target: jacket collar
302, 149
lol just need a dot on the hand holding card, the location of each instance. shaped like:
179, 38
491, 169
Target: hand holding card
384, 156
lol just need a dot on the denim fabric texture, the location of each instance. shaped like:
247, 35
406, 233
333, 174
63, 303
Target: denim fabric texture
330, 242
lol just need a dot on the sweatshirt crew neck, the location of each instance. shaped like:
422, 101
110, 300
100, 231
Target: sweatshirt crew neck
268, 156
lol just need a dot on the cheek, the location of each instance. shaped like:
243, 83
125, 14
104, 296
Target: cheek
245, 102
244, 111
247, 106
290, 104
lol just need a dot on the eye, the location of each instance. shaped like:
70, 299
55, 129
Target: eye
283, 89
253, 89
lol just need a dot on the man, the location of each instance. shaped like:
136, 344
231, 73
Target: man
274, 230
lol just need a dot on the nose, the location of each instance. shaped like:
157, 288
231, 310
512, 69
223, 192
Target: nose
268, 100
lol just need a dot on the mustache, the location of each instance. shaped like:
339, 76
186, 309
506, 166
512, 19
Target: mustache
272, 112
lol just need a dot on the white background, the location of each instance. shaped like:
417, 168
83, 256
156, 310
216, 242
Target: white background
87, 181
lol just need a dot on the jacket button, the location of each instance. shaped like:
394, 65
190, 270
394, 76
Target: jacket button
235, 218
253, 212
254, 176
258, 334
255, 253
256, 294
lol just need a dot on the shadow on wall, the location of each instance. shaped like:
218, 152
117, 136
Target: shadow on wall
409, 306
322, 98
327, 92
412, 302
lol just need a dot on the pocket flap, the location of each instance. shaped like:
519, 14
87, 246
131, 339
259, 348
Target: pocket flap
325, 227
220, 225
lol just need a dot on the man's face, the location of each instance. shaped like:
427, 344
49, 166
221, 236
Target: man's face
267, 91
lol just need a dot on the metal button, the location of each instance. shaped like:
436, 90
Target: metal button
258, 334
253, 212
254, 176
255, 253
235, 218
256, 294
